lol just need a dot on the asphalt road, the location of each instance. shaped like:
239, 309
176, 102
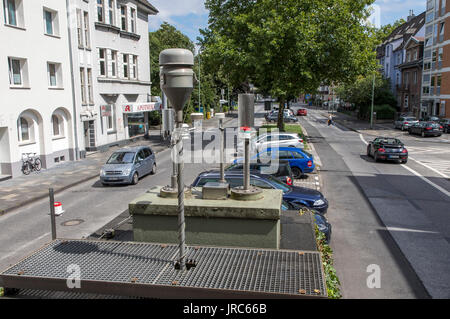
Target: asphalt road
388, 215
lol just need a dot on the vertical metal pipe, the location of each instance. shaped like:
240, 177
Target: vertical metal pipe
222, 148
52, 212
373, 99
247, 165
181, 222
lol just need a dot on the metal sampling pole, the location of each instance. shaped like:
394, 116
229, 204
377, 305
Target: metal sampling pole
247, 165
181, 222
52, 212
222, 146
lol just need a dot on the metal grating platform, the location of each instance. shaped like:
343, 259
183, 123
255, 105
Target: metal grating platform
147, 270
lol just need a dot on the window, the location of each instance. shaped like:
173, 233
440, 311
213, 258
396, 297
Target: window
428, 42
297, 155
51, 70
83, 87
102, 61
441, 32
133, 20
15, 71
426, 90
23, 129
89, 86
110, 119
387, 51
114, 64
285, 155
9, 7
125, 66
55, 122
100, 11
79, 29
48, 17
427, 54
427, 66
133, 68
111, 10
439, 81
426, 78
387, 70
87, 38
123, 18
408, 57
415, 77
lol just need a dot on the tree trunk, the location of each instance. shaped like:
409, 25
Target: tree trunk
281, 114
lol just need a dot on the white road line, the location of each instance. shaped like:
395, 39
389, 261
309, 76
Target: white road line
17, 250
429, 167
362, 139
427, 181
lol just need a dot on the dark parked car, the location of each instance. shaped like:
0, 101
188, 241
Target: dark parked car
282, 171
388, 149
292, 194
430, 119
320, 220
127, 165
445, 125
426, 129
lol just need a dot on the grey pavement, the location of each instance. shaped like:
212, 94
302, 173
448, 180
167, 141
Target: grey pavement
20, 191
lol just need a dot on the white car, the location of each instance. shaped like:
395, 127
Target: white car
279, 139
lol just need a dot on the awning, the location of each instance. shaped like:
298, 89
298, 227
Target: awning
141, 107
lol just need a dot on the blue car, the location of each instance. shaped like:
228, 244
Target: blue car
293, 194
301, 162
127, 165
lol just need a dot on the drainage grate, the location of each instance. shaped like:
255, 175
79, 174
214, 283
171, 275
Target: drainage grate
253, 271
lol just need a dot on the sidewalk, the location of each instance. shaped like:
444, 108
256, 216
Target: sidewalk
20, 191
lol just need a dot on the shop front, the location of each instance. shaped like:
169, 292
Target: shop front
136, 115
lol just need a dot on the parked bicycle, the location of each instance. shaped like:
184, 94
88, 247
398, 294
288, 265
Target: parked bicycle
30, 162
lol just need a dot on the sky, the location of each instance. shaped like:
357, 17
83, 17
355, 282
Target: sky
189, 16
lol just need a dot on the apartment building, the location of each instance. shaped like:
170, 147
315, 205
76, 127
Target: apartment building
410, 87
436, 61
36, 109
112, 71
75, 77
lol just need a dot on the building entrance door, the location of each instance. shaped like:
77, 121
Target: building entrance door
89, 135
5, 156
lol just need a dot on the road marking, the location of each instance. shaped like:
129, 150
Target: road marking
362, 139
17, 250
410, 230
427, 181
431, 168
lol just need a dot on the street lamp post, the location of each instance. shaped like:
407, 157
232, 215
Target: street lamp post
373, 100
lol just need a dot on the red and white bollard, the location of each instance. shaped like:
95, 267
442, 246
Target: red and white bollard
58, 208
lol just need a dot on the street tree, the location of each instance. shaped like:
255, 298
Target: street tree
288, 47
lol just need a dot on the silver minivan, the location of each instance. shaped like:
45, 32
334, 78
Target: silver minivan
404, 122
127, 165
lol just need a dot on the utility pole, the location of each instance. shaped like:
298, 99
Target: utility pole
373, 100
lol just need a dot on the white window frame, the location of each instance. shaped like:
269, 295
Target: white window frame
56, 77
133, 67
7, 14
101, 6
11, 72
114, 64
103, 61
83, 86
126, 66
90, 92
110, 120
79, 29
112, 12
122, 17
87, 36
20, 130
133, 20
52, 24
59, 126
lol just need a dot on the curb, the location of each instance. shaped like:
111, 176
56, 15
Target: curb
56, 191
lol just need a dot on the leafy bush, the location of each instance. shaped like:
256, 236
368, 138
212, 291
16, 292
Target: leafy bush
154, 118
384, 112
332, 280
2, 292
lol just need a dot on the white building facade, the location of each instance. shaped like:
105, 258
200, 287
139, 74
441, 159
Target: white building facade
75, 77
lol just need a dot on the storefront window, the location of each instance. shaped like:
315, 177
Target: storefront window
136, 124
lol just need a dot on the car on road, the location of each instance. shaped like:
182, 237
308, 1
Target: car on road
302, 112
445, 125
282, 170
272, 118
404, 123
319, 219
301, 162
128, 165
426, 129
292, 194
388, 149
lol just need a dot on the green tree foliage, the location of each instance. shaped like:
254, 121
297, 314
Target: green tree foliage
288, 47
166, 37
359, 93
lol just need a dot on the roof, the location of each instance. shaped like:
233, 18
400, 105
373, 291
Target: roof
147, 5
404, 32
